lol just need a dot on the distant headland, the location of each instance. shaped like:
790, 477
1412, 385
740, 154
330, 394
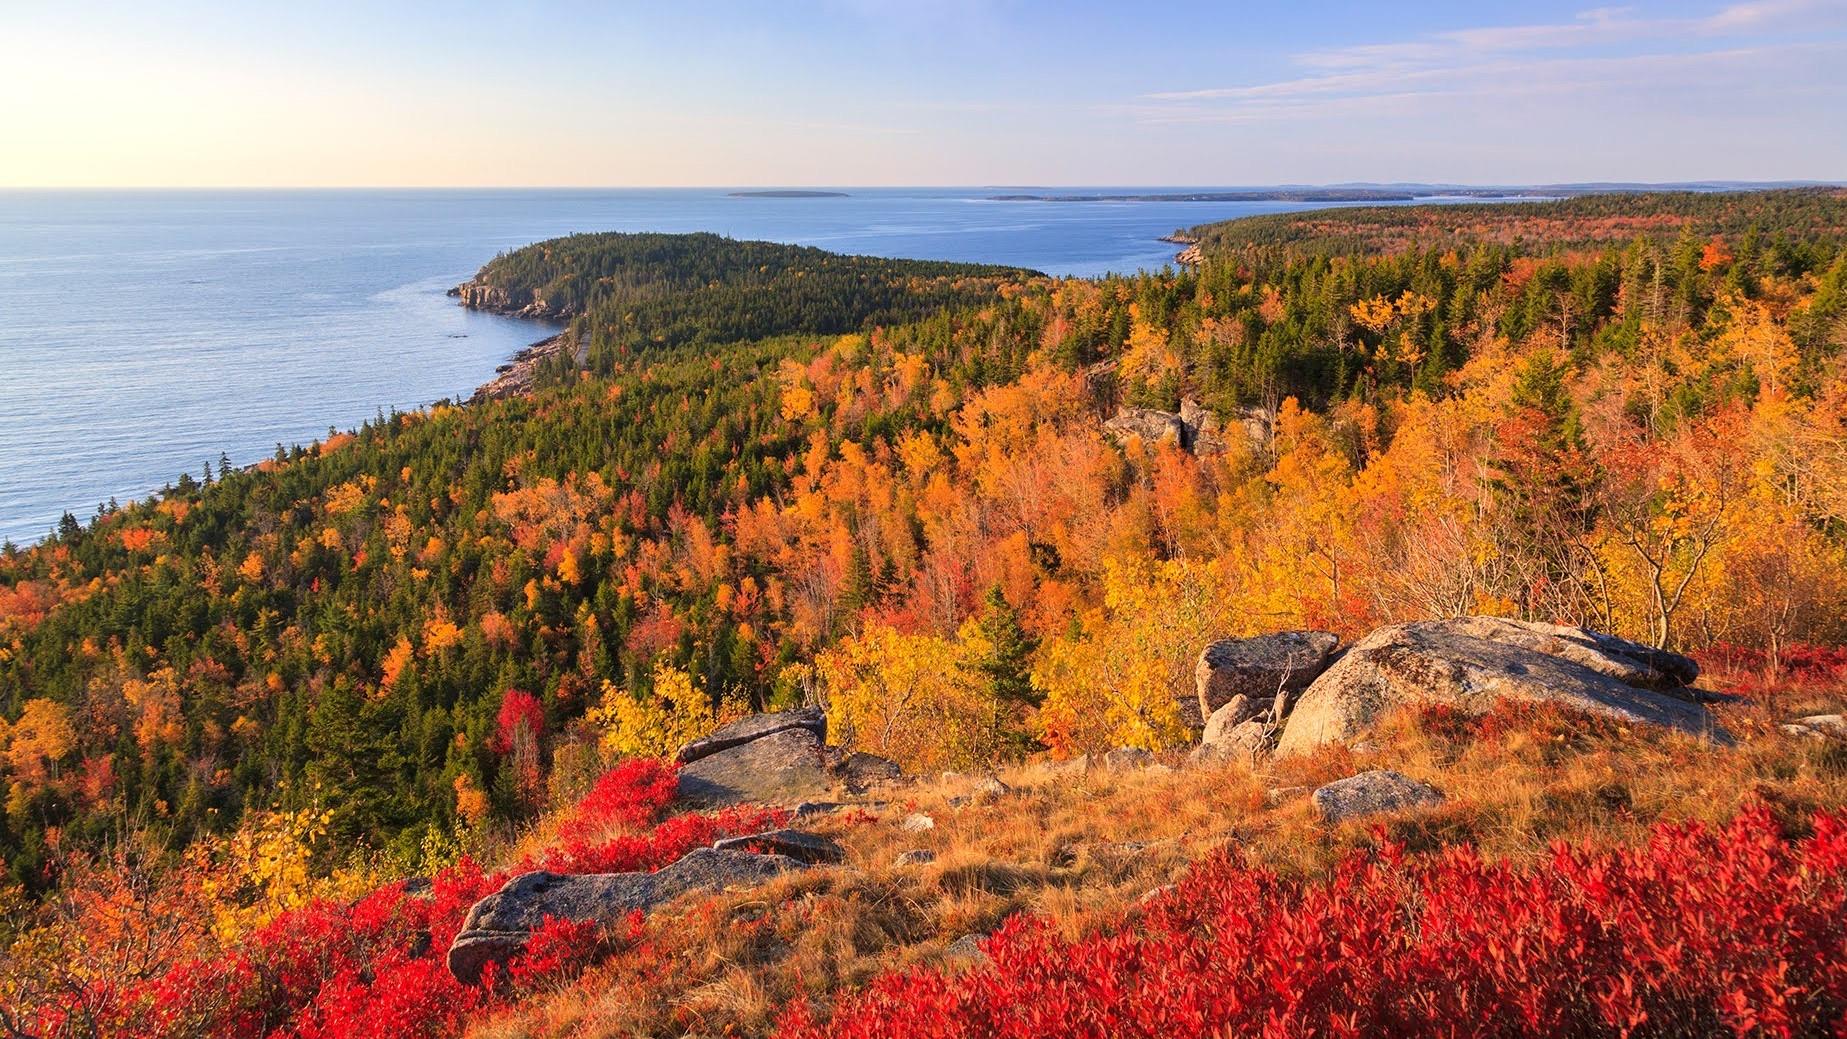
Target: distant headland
789, 194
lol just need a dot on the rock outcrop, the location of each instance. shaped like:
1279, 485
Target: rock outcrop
1150, 426
1372, 793
1818, 726
1194, 428
751, 728
477, 294
1228, 740
800, 845
860, 771
785, 767
1472, 663
498, 926
519, 376
1258, 669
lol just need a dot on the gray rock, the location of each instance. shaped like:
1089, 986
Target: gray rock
915, 857
861, 771
1278, 794
917, 822
498, 926
808, 809
990, 788
1241, 742
1260, 668
755, 727
1817, 726
1123, 758
967, 947
1471, 663
1371, 793
787, 766
800, 845
1195, 428
1203, 436
1150, 426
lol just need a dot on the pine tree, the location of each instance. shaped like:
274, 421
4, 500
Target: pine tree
1007, 666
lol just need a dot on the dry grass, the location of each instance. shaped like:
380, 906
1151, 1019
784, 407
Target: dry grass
1079, 848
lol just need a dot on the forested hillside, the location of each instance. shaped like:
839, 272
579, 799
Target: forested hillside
886, 486
1770, 219
628, 292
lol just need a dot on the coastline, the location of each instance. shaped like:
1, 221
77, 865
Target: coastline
519, 373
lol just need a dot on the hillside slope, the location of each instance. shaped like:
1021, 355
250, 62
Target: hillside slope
998, 527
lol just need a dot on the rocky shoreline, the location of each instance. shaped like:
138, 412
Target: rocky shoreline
1189, 256
520, 373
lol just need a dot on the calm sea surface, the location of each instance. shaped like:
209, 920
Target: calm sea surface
143, 334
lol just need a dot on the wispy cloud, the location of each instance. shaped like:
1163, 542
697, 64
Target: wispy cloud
1600, 49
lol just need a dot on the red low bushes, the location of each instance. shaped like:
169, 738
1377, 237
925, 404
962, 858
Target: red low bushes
1701, 932
1800, 667
376, 967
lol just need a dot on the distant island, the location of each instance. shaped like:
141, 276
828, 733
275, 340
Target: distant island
789, 194
1283, 195
1404, 192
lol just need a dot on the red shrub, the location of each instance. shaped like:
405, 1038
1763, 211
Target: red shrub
631, 795
376, 967
658, 847
1699, 933
560, 948
521, 721
1749, 671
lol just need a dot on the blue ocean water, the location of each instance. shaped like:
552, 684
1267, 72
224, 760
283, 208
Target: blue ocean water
146, 333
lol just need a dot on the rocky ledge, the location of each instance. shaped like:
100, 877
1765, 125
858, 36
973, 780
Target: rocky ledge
499, 926
1293, 691
518, 376
497, 299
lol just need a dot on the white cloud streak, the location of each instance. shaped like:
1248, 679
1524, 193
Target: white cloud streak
1601, 50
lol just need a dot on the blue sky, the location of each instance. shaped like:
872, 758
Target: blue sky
861, 92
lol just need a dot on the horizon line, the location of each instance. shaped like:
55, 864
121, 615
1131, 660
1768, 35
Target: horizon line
1278, 185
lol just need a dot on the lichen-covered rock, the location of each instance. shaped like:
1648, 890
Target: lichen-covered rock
1260, 668
1241, 742
1372, 793
787, 766
967, 948
755, 727
1472, 663
861, 771
800, 845
1149, 426
1818, 726
1123, 758
1202, 429
498, 926
915, 857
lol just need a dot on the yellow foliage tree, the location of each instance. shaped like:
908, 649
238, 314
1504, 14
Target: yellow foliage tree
656, 725
913, 698
1124, 679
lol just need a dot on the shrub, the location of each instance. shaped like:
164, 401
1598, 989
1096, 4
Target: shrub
1700, 932
376, 966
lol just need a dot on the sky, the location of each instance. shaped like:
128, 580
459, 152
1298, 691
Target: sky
213, 93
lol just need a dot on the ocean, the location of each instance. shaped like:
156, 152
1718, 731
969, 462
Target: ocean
148, 333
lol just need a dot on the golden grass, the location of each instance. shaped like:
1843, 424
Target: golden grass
1079, 848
